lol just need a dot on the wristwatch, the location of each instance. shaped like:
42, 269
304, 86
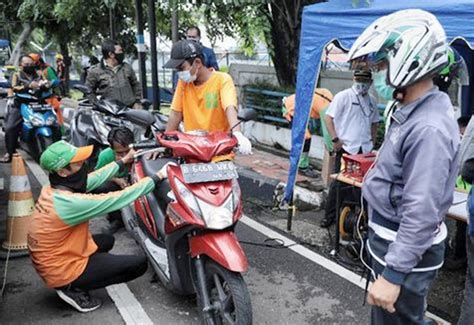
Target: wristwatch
334, 140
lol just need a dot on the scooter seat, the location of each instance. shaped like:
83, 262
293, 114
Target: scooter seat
151, 167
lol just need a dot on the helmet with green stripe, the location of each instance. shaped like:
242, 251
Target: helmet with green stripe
412, 42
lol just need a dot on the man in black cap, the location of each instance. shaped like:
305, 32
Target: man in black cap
204, 99
352, 120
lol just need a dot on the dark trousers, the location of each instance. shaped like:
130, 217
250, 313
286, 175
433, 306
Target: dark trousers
411, 304
12, 124
346, 193
104, 269
460, 240
467, 310
106, 188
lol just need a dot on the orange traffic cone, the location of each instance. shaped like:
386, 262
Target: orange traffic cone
20, 207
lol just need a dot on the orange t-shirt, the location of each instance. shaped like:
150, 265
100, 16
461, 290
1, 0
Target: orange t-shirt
204, 106
319, 103
59, 252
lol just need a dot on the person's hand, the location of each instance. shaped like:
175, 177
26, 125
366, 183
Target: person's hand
337, 145
245, 146
120, 182
128, 159
163, 172
137, 106
383, 294
153, 155
34, 85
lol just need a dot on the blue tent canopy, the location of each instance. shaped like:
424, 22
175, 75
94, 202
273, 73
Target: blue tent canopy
338, 19
4, 43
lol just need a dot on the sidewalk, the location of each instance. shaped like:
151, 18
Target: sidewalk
266, 174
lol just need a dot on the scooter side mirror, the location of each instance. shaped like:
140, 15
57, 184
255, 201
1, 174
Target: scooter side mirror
83, 89
247, 114
139, 117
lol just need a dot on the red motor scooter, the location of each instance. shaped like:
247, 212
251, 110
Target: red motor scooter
186, 225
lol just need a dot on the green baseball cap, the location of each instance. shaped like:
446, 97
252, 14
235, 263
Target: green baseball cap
61, 153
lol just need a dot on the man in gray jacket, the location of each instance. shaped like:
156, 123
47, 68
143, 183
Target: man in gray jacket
114, 79
410, 188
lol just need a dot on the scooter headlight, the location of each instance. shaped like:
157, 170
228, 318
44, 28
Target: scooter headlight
215, 217
51, 120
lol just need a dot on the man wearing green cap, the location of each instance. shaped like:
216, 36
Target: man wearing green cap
64, 253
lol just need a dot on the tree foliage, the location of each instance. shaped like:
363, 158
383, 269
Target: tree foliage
277, 22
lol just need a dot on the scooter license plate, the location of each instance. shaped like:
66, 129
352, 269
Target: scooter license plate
210, 172
40, 107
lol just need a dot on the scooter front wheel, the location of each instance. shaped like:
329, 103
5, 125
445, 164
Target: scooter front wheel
228, 296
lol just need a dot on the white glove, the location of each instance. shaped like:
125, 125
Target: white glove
245, 147
163, 172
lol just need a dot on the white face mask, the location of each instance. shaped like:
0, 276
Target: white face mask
186, 76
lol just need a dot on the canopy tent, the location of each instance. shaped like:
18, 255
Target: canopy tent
323, 23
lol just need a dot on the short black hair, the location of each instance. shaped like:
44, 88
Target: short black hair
467, 171
122, 135
108, 46
463, 121
194, 27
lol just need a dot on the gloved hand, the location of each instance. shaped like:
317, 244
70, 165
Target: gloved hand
163, 172
245, 146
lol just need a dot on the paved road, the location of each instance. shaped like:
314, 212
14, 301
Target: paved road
285, 288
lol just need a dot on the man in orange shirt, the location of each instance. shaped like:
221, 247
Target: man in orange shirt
321, 99
204, 99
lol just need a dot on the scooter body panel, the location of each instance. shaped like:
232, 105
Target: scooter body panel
223, 247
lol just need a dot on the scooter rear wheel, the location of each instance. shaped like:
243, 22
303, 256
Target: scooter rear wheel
228, 295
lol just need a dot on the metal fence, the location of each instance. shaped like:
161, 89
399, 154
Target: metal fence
224, 60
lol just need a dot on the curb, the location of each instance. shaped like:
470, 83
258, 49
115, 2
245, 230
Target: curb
267, 189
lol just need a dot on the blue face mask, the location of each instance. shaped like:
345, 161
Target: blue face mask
383, 90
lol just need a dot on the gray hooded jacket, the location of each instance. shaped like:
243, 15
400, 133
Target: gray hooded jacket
413, 179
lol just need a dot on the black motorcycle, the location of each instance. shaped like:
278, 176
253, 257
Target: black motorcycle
94, 118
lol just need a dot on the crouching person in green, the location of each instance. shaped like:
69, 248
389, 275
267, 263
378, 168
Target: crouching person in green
64, 253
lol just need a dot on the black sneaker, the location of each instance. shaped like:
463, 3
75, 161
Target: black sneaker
81, 300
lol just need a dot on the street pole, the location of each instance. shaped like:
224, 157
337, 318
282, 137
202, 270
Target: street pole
154, 64
111, 22
174, 33
141, 47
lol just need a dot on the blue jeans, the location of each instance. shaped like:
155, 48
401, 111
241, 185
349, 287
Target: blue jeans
467, 310
411, 304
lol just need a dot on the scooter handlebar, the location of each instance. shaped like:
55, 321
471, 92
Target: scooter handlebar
144, 145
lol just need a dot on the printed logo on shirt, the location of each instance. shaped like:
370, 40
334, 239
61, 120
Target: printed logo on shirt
211, 100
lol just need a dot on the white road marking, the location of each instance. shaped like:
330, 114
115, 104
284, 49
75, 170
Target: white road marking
128, 306
318, 259
2, 184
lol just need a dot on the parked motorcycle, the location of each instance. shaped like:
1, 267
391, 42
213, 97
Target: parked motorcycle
40, 125
186, 225
94, 118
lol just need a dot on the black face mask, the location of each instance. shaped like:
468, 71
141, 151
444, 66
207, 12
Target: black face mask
76, 183
30, 69
119, 57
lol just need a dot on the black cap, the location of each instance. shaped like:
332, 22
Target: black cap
363, 74
182, 51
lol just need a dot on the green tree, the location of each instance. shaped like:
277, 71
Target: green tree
277, 22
